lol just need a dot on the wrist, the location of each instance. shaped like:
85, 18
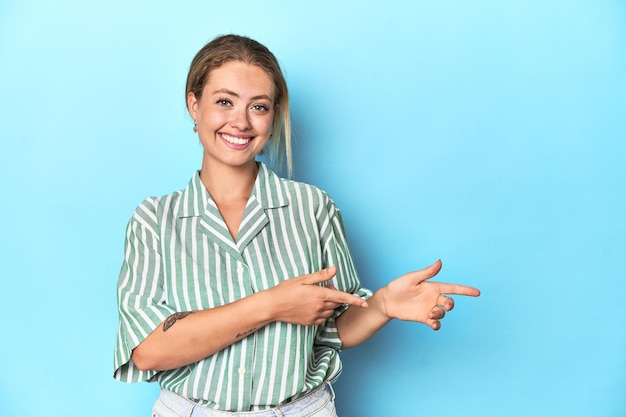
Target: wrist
378, 303
268, 308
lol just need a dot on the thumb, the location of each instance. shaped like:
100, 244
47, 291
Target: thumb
428, 272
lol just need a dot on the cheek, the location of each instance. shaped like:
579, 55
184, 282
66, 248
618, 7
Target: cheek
264, 124
208, 124
214, 119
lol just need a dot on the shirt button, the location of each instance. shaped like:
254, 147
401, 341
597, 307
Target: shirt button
240, 269
241, 371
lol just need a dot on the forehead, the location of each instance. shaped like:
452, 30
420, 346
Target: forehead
241, 78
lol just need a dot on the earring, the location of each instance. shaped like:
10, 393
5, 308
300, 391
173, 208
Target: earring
195, 126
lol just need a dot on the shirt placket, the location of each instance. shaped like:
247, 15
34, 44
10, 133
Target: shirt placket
244, 372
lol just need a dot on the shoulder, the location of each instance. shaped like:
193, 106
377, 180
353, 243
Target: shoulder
304, 197
296, 189
154, 210
152, 207
296, 193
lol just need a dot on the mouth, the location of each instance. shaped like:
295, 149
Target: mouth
234, 140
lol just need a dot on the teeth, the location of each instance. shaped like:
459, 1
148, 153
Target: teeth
235, 141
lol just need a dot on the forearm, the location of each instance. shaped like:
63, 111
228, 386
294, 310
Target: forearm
186, 338
356, 324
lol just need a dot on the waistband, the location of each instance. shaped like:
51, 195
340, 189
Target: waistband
302, 406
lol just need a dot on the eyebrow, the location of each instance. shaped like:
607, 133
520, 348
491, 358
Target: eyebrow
232, 93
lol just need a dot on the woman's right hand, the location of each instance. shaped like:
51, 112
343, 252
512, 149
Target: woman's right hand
301, 300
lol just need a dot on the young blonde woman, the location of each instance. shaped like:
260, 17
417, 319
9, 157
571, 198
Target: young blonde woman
237, 293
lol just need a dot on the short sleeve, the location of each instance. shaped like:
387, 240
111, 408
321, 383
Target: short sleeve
337, 253
140, 292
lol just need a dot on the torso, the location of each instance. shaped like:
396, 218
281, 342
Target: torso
289, 229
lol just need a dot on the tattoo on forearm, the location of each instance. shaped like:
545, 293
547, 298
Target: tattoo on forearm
245, 333
169, 322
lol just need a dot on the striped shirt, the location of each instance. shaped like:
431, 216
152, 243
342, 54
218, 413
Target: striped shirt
179, 256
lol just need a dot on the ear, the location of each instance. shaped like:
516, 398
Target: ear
192, 105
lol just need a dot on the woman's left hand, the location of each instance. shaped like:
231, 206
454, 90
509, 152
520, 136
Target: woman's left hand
411, 297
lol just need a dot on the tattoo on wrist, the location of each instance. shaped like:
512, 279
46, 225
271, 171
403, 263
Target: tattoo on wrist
242, 334
169, 322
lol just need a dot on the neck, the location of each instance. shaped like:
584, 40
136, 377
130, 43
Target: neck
228, 184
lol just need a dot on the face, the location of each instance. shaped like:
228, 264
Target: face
234, 114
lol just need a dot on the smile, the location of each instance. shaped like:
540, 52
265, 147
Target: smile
235, 140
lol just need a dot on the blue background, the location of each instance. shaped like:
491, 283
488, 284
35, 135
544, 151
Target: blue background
489, 134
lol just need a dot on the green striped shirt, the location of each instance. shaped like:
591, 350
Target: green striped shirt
179, 256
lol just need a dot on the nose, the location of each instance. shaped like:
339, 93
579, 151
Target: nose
240, 119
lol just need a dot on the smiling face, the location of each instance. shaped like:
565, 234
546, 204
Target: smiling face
234, 115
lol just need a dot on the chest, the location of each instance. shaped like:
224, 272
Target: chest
205, 269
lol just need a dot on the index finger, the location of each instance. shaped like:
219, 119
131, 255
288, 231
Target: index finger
458, 289
340, 297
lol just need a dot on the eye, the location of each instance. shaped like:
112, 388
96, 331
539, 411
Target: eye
223, 102
260, 108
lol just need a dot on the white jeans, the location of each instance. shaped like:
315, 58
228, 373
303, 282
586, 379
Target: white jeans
318, 403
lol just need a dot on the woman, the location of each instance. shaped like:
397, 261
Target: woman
237, 293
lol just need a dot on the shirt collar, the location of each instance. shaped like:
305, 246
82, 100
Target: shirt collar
269, 190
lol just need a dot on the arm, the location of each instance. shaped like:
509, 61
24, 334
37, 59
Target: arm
410, 297
184, 338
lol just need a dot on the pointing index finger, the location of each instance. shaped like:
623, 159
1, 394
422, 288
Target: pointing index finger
341, 297
458, 289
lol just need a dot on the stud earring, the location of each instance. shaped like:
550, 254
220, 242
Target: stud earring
195, 126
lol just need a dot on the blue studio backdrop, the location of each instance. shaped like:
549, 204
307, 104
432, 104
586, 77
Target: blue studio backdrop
489, 134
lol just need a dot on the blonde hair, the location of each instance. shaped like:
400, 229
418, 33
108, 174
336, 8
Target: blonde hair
229, 48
